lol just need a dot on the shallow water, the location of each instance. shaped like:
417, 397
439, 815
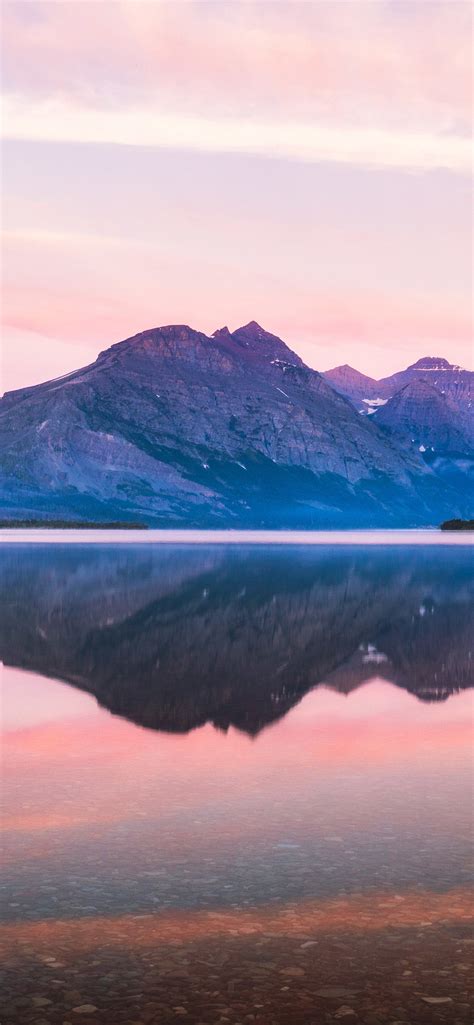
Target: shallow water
237, 783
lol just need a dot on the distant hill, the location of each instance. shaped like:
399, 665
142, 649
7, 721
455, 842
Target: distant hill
175, 428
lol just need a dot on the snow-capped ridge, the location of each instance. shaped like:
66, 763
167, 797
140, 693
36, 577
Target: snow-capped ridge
433, 363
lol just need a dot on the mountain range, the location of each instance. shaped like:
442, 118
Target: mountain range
366, 393
176, 428
427, 407
174, 638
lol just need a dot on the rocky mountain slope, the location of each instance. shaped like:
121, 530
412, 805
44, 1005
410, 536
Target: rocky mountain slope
427, 418
450, 380
235, 637
176, 428
423, 419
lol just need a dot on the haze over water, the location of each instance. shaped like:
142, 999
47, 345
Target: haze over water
237, 783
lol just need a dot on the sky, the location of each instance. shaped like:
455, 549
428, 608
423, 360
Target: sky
306, 165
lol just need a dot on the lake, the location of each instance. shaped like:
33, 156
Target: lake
237, 780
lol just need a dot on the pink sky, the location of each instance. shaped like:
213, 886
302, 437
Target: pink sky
302, 164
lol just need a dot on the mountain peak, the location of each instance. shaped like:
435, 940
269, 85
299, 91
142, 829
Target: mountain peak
346, 371
222, 332
426, 418
149, 343
431, 363
262, 345
350, 382
252, 331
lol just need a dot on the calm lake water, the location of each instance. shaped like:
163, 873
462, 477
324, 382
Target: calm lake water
237, 783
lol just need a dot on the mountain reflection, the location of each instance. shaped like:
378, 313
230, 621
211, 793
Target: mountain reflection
172, 637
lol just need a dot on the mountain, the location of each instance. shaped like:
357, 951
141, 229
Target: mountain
174, 639
258, 345
367, 394
426, 418
450, 380
176, 428
426, 408
357, 387
423, 419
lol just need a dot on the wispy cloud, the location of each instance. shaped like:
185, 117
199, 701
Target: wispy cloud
66, 121
360, 82
359, 58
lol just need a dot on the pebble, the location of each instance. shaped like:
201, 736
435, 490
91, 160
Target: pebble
240, 979
437, 1000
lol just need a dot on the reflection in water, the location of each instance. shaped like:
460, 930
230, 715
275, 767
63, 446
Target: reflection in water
309, 873
173, 638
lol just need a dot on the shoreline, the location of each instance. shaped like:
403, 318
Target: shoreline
410, 536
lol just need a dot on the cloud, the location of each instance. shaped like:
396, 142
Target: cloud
306, 57
63, 121
362, 83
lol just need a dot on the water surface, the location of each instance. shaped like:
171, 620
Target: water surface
420, 536
237, 783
